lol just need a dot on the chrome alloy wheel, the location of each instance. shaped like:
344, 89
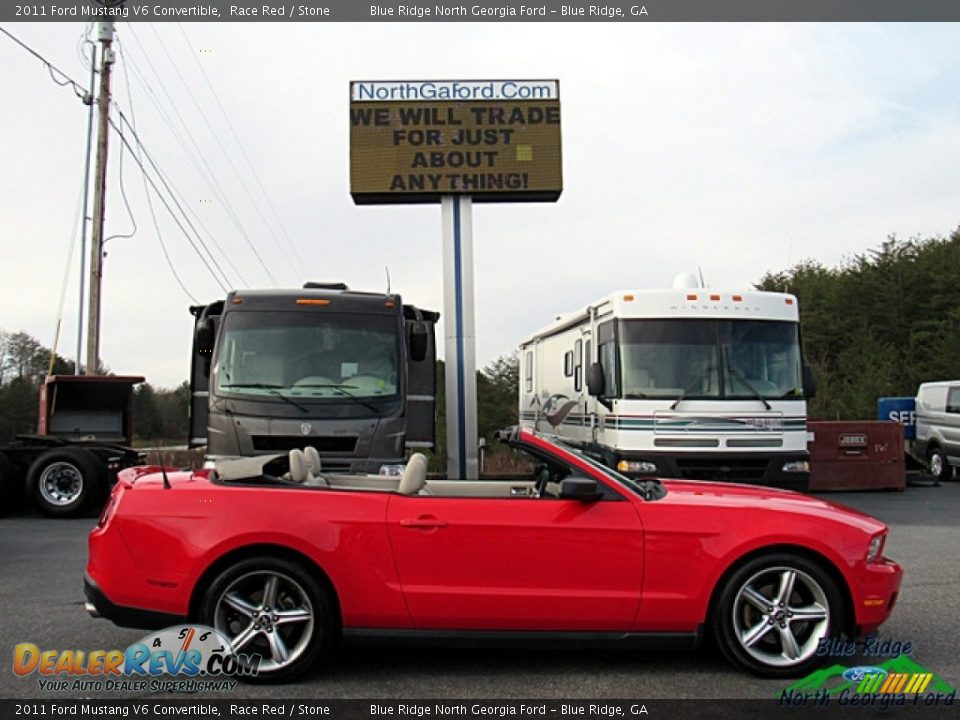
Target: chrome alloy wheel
780, 615
267, 613
936, 463
61, 483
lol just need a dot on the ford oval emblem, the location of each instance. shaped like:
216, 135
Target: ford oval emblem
856, 674
305, 428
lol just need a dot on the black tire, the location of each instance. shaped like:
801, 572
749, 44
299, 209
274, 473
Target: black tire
937, 464
66, 482
736, 613
9, 487
296, 590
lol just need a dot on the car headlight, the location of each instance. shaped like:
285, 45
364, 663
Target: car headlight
876, 548
637, 466
800, 466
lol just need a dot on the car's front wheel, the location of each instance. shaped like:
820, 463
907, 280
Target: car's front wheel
772, 613
274, 608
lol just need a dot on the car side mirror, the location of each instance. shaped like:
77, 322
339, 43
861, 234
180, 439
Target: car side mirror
579, 488
809, 383
419, 341
596, 381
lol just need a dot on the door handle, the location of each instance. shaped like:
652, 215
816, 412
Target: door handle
423, 522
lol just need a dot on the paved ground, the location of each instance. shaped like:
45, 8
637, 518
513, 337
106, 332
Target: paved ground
41, 570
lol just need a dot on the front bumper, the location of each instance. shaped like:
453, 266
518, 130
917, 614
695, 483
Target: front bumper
879, 588
99, 605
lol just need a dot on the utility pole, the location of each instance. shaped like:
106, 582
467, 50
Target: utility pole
88, 100
105, 36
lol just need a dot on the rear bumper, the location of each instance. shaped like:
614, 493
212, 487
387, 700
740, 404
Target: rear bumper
99, 605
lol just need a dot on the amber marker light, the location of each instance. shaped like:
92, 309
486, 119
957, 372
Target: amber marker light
714, 297
237, 301
691, 297
788, 301
737, 298
312, 301
628, 298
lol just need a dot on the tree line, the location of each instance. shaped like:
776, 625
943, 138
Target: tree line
880, 324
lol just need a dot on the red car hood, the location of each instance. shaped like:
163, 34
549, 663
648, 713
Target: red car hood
715, 494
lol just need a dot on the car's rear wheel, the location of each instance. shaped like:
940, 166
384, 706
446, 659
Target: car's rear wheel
275, 608
772, 613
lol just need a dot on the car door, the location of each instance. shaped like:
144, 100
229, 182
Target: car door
518, 563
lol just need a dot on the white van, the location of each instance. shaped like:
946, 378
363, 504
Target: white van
938, 427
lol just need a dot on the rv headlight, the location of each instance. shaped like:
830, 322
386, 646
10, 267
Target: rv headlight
876, 547
637, 466
799, 466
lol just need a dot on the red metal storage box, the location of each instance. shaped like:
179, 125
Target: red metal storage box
857, 455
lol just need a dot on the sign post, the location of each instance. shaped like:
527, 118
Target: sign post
456, 142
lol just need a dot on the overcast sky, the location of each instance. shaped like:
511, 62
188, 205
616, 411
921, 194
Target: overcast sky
738, 149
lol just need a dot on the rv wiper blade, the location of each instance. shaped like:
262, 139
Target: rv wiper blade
745, 382
689, 388
342, 389
274, 390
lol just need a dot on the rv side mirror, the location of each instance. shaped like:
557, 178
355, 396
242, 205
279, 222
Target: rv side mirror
419, 341
596, 382
204, 335
809, 383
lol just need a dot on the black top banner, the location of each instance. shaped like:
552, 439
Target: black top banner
485, 11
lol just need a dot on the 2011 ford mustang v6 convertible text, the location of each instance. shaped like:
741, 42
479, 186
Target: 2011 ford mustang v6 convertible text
284, 560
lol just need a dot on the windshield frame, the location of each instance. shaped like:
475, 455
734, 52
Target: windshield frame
632, 485
339, 390
719, 372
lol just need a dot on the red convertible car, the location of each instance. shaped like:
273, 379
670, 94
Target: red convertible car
286, 561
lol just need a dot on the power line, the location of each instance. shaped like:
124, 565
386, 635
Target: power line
78, 89
173, 196
197, 152
163, 200
168, 184
243, 152
226, 155
133, 124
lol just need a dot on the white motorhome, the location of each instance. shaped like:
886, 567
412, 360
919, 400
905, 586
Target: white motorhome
683, 382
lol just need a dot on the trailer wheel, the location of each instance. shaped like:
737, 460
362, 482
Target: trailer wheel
65, 481
9, 495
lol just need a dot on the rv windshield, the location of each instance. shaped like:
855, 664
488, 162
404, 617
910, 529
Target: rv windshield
305, 355
686, 358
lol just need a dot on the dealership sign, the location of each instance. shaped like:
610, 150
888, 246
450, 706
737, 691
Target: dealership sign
494, 140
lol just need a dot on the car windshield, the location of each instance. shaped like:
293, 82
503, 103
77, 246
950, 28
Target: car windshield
647, 488
305, 355
710, 359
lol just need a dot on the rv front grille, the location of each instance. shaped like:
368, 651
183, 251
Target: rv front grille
343, 444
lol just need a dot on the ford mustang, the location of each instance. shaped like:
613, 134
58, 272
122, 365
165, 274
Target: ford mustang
285, 560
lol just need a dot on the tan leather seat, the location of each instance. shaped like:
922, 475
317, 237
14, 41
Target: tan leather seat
313, 467
298, 466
